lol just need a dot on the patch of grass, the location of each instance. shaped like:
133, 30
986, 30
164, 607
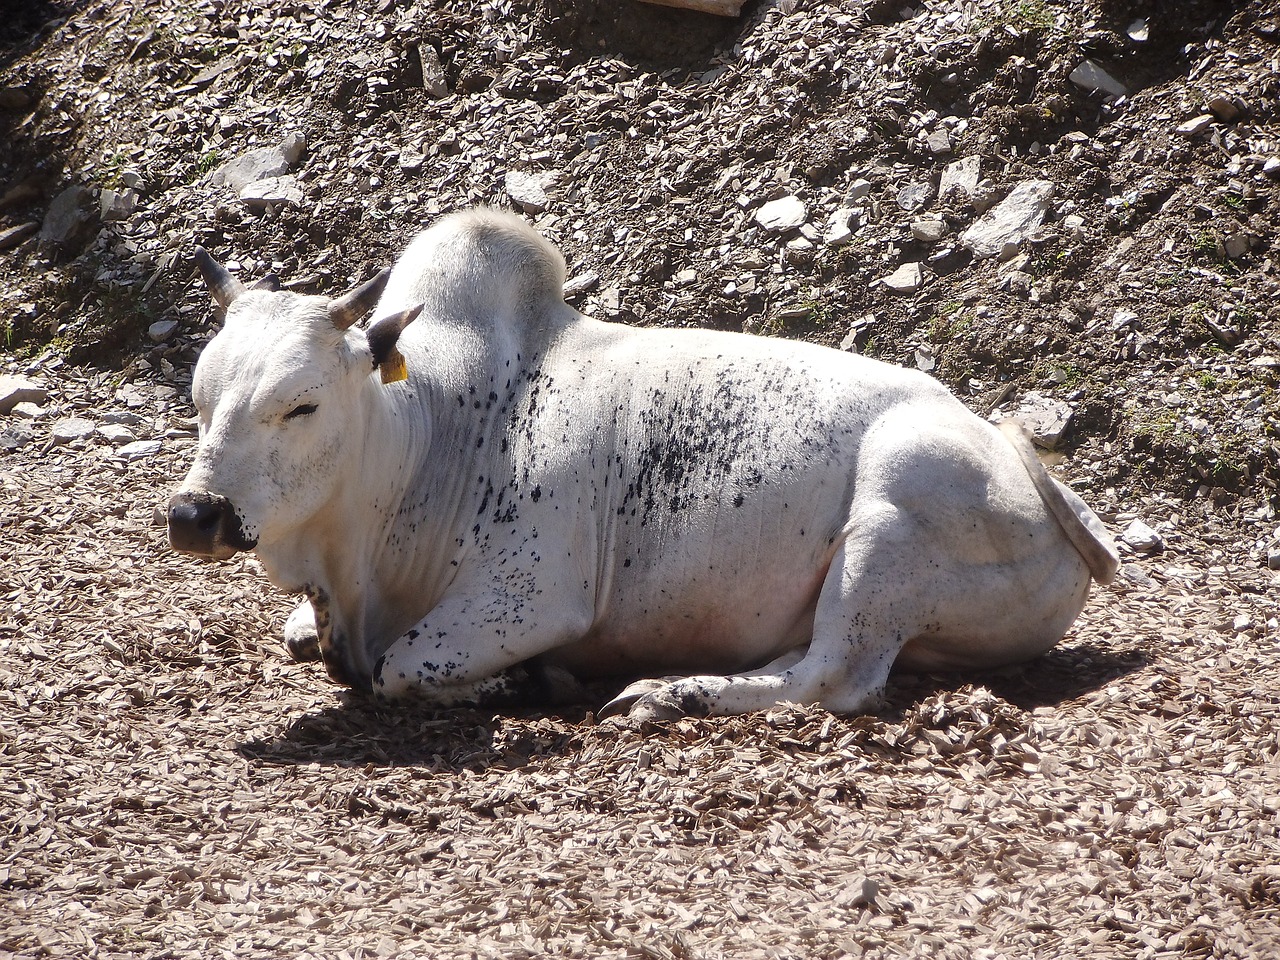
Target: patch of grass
948, 325
1021, 14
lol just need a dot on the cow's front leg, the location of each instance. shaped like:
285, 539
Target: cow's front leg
466, 650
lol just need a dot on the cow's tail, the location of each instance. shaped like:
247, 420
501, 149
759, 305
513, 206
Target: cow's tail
1078, 522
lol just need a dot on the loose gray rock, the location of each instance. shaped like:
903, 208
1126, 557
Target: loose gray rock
118, 204
1090, 76
1142, 537
779, 216
433, 78
1001, 229
960, 178
1045, 418
939, 143
16, 390
1271, 167
162, 330
14, 438
13, 236
859, 188
72, 428
580, 284
116, 434
908, 278
1195, 126
139, 449
928, 230
67, 219
839, 229
914, 195
27, 411
259, 164
411, 160
271, 191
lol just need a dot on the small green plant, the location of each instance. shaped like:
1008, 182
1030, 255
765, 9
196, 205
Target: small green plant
113, 167
207, 163
1206, 380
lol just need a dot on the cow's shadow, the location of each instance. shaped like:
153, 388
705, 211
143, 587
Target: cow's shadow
359, 732
1062, 674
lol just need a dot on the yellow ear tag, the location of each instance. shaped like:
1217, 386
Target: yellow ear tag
393, 369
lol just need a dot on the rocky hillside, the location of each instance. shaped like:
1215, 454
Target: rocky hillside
1067, 209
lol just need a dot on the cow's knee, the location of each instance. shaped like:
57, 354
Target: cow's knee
301, 638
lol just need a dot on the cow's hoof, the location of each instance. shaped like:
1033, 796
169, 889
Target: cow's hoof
300, 636
627, 699
659, 705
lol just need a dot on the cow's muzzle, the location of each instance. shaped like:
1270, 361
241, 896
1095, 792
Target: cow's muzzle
206, 525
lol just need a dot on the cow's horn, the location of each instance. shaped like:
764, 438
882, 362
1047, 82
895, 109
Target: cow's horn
222, 284
348, 309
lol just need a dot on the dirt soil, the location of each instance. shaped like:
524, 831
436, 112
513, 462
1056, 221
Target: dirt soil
172, 785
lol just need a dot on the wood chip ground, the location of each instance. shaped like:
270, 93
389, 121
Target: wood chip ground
172, 786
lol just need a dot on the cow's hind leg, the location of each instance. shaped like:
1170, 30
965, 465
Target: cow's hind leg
870, 605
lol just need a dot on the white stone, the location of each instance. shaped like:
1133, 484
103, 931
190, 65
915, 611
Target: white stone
939, 143
779, 216
15, 390
72, 428
928, 230
1241, 623
139, 448
839, 229
270, 192
27, 411
1142, 537
1272, 167
859, 188
259, 164
999, 231
528, 190
908, 278
1092, 77
580, 284
1195, 126
116, 434
433, 77
961, 177
1045, 418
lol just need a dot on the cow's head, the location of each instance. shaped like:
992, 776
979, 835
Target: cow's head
278, 395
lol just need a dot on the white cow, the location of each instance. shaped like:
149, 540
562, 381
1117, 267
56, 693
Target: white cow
783, 520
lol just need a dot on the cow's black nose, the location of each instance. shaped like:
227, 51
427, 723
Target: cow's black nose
205, 524
202, 516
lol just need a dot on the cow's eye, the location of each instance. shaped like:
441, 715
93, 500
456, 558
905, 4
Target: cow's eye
301, 410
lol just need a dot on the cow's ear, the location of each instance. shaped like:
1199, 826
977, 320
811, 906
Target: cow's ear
224, 287
348, 309
385, 334
270, 283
